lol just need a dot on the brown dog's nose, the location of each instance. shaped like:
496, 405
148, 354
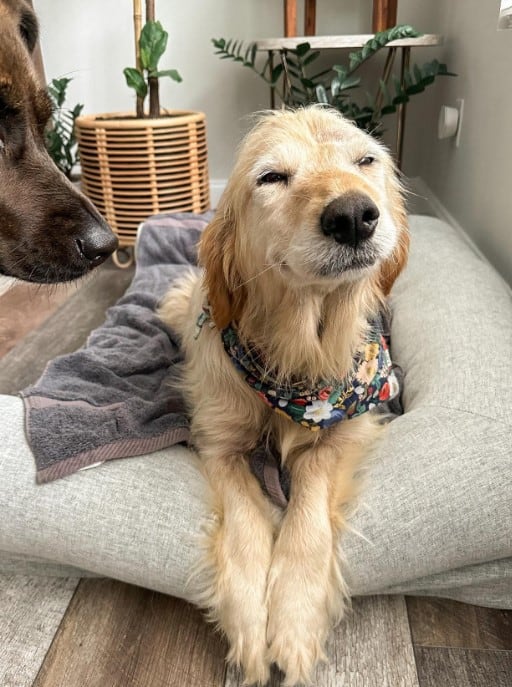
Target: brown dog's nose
97, 242
350, 218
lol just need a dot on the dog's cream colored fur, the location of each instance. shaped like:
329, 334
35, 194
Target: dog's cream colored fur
274, 581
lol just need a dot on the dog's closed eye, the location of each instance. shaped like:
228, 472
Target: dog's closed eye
273, 178
28, 29
366, 161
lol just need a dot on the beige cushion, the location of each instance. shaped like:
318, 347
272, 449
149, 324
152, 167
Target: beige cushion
435, 517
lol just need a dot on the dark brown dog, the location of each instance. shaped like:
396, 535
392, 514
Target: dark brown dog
49, 231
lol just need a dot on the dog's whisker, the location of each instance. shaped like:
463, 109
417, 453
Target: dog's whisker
269, 267
358, 534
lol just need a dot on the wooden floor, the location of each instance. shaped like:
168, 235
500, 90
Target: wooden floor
102, 633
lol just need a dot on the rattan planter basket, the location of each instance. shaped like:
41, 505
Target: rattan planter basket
133, 168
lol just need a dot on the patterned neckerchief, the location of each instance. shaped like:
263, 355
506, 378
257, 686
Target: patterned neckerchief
372, 381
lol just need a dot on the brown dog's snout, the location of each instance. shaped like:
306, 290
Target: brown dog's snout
350, 219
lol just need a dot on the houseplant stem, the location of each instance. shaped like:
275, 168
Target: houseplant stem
154, 95
137, 26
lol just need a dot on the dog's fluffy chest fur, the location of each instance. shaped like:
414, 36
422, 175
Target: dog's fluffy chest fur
234, 403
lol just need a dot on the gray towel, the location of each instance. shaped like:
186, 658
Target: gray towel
113, 398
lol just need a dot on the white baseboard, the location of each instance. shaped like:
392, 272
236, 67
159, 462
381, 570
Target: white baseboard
217, 187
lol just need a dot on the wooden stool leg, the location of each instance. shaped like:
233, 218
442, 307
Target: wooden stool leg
310, 18
384, 15
290, 18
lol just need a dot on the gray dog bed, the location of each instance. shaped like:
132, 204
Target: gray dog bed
436, 514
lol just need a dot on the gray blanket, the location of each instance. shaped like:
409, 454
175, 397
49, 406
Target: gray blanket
113, 398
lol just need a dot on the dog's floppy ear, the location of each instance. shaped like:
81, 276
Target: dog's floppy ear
222, 279
392, 267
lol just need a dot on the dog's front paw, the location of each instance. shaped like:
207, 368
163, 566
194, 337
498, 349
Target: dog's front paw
249, 652
298, 626
296, 651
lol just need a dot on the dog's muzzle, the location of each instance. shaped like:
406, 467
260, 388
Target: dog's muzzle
350, 219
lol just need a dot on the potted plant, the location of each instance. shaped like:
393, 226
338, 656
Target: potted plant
295, 85
139, 164
60, 136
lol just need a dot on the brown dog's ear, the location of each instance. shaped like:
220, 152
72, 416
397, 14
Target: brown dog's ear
392, 267
222, 279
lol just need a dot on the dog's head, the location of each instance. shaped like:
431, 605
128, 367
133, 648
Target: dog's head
312, 198
49, 231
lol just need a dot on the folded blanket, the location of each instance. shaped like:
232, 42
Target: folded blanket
113, 398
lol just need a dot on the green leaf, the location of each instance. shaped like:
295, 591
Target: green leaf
311, 58
350, 82
415, 88
152, 43
388, 109
321, 95
379, 41
302, 49
340, 70
60, 138
276, 73
135, 80
400, 99
307, 83
293, 72
175, 76
57, 90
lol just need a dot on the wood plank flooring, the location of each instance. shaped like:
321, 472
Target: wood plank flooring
115, 635
463, 668
109, 634
31, 610
60, 327
25, 307
446, 623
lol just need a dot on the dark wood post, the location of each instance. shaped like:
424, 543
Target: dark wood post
384, 14
154, 96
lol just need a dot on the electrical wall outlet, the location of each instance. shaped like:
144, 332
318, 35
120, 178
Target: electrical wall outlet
460, 107
449, 124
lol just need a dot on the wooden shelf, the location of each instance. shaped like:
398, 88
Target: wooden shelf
349, 41
402, 46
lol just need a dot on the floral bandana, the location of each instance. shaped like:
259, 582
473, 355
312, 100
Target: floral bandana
372, 382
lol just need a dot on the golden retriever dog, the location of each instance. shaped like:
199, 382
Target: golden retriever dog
307, 241
49, 231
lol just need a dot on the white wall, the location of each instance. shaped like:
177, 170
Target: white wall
473, 181
92, 41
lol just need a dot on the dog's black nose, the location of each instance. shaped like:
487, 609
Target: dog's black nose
97, 242
350, 218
